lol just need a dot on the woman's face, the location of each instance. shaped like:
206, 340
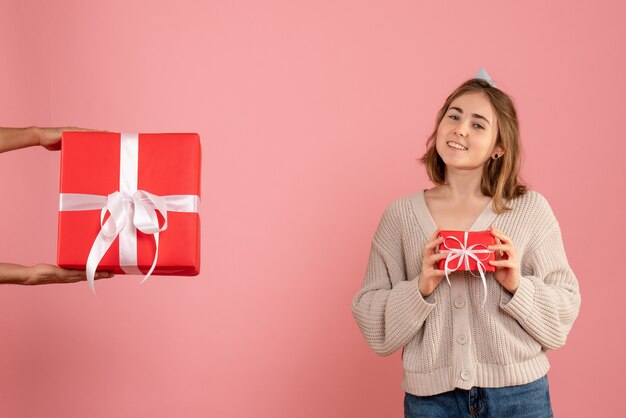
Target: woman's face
467, 134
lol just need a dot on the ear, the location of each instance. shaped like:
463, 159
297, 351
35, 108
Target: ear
497, 152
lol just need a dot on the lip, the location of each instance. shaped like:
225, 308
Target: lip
458, 143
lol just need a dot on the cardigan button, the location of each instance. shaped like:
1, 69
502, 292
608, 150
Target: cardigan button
461, 339
465, 374
459, 302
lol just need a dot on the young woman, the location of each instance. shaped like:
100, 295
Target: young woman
49, 138
462, 357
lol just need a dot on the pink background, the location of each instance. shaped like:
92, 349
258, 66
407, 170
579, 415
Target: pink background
311, 116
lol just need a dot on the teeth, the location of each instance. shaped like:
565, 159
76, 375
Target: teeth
457, 146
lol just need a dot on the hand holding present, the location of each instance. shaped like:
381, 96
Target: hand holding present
49, 273
507, 262
430, 277
43, 274
49, 138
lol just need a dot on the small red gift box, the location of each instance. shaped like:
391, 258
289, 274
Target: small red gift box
113, 187
475, 243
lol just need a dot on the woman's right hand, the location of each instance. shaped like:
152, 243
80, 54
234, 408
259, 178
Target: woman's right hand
431, 276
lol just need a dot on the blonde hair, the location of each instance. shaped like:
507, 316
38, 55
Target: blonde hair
500, 178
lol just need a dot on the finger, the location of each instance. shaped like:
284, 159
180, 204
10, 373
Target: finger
72, 274
434, 260
499, 235
495, 232
434, 237
499, 253
496, 263
499, 247
505, 251
502, 263
104, 275
438, 273
430, 247
76, 129
440, 256
78, 275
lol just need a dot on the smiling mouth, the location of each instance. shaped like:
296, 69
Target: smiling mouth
456, 145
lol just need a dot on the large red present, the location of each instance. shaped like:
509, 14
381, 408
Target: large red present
468, 249
129, 203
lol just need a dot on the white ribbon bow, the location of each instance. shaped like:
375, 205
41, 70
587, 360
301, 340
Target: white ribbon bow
140, 209
463, 254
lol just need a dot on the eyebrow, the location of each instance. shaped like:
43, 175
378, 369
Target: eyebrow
476, 115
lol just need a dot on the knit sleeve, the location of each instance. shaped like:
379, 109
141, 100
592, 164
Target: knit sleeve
389, 309
547, 301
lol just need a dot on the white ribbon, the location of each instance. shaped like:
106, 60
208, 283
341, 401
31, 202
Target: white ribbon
463, 254
130, 209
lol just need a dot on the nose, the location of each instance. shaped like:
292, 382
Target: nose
461, 127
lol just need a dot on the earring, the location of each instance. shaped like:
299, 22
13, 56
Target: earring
496, 156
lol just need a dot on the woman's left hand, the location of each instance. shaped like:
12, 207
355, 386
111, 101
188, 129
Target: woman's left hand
507, 263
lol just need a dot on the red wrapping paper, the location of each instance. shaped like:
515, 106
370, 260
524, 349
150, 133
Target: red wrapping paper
474, 237
168, 164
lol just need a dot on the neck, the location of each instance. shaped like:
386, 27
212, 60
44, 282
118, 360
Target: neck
463, 184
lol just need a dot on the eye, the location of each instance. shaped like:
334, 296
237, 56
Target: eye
453, 117
479, 126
